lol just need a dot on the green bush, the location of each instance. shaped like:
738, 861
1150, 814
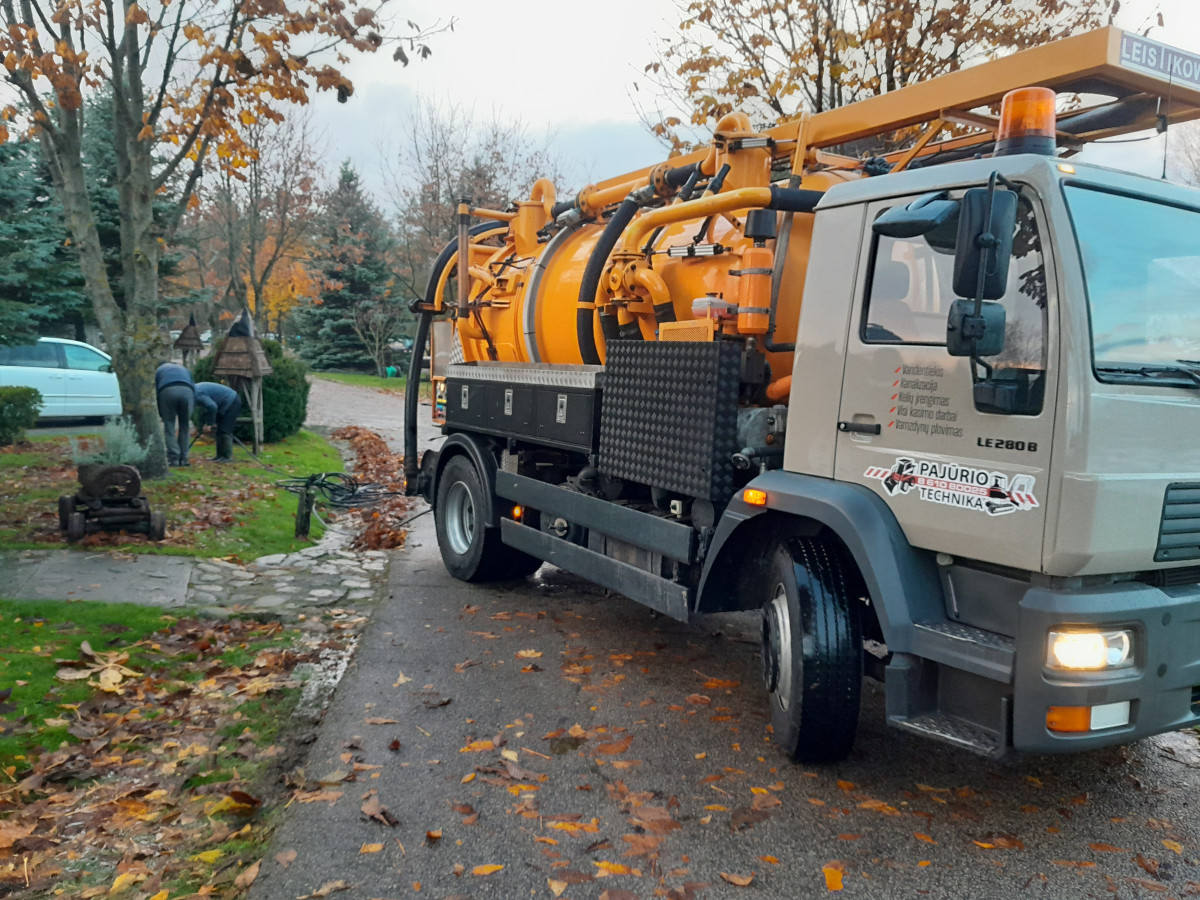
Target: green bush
285, 393
18, 410
117, 444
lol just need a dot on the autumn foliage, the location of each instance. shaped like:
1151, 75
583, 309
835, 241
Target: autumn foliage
777, 58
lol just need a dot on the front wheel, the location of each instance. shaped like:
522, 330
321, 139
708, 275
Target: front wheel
812, 651
471, 551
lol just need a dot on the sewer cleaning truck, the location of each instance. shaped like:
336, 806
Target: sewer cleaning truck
933, 411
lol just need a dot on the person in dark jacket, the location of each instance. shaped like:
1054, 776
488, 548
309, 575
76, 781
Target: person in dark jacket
220, 405
176, 395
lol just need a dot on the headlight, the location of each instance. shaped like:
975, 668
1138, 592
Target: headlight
1083, 650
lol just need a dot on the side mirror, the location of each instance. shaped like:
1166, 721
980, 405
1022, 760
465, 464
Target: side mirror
975, 336
979, 232
920, 217
106, 368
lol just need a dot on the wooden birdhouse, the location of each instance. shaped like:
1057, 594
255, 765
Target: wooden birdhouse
188, 343
242, 363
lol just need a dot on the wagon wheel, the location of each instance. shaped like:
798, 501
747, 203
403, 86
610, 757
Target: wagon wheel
158, 526
66, 506
76, 523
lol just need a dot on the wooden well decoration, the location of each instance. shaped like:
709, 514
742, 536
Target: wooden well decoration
188, 343
242, 362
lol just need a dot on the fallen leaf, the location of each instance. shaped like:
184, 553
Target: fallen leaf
833, 872
529, 654
746, 817
1150, 885
375, 720
920, 836
10, 833
209, 856
1073, 863
1107, 848
847, 785
486, 870
739, 880
329, 887
610, 868
285, 857
124, 880
1174, 846
370, 848
246, 876
510, 755
373, 809
478, 746
470, 776
556, 887
401, 679
615, 747
432, 837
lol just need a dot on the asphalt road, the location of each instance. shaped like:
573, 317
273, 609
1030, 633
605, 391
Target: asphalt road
670, 778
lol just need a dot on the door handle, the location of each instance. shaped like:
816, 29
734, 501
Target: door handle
860, 427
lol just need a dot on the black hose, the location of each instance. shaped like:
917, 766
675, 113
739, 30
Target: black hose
794, 199
679, 176
561, 207
412, 390
585, 315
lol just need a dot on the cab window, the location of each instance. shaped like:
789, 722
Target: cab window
910, 292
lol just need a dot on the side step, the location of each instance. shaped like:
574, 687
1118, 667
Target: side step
665, 596
964, 647
952, 730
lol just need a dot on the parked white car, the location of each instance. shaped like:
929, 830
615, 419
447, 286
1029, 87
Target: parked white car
76, 380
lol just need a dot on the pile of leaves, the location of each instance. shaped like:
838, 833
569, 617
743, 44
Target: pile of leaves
163, 786
382, 522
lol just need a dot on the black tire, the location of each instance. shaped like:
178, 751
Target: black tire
76, 526
66, 506
812, 651
470, 551
158, 526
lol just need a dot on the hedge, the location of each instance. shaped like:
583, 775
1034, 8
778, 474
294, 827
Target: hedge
285, 393
18, 410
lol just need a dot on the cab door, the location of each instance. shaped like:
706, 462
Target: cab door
961, 459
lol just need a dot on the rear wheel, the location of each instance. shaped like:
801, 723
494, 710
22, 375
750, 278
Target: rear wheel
471, 551
812, 651
158, 526
66, 506
76, 526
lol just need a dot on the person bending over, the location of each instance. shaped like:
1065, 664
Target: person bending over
176, 395
221, 406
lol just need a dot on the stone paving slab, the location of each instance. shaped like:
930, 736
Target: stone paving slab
73, 575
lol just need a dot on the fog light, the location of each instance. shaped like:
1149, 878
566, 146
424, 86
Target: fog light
1094, 650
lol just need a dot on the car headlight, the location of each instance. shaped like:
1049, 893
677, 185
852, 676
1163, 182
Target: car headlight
1083, 650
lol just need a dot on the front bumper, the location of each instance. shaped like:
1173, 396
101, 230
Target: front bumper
1162, 687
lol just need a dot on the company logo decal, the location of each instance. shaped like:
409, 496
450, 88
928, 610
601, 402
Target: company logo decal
951, 484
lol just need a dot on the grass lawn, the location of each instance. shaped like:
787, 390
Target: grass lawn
358, 379
221, 510
201, 708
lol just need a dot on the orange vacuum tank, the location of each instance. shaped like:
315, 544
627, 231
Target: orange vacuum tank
679, 263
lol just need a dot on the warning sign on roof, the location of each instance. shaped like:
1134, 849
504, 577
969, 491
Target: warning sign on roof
1154, 58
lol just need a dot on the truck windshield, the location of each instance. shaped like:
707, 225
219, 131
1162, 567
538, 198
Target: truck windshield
1141, 266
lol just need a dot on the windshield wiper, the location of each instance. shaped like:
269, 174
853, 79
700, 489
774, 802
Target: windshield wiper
1185, 368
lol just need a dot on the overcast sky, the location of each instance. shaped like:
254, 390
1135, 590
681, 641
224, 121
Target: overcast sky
568, 70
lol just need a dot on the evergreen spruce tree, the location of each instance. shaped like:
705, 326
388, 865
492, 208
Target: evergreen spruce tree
354, 243
40, 282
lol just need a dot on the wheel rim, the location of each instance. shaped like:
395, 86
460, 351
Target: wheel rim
460, 518
777, 648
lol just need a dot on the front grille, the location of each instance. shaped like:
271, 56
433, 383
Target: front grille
1179, 533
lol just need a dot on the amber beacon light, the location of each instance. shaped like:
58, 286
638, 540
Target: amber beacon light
1027, 122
